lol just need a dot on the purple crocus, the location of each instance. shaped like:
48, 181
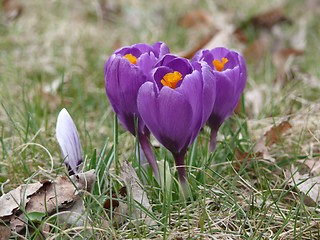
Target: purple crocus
231, 74
125, 71
69, 141
176, 104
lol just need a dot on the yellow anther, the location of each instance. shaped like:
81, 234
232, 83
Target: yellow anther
131, 58
219, 65
171, 79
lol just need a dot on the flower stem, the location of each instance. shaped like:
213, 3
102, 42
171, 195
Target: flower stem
115, 146
146, 147
182, 174
213, 139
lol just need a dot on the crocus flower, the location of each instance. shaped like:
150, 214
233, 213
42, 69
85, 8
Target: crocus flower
176, 104
125, 71
69, 141
231, 74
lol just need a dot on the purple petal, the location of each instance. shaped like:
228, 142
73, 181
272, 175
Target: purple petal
223, 106
192, 88
142, 47
200, 55
128, 50
219, 52
147, 104
168, 115
243, 73
160, 48
181, 65
122, 81
146, 62
209, 90
69, 141
165, 60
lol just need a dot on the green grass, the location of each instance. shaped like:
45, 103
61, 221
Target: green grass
231, 199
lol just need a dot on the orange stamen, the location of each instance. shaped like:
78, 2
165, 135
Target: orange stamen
131, 58
219, 65
171, 79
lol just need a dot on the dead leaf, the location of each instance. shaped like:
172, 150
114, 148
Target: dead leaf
12, 9
74, 215
109, 10
200, 45
282, 60
4, 232
255, 100
117, 207
299, 39
272, 136
275, 133
224, 37
217, 33
313, 165
242, 157
240, 35
269, 18
136, 193
256, 51
21, 195
113, 202
313, 6
194, 18
47, 197
310, 186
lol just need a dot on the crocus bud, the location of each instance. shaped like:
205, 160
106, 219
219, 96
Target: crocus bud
69, 141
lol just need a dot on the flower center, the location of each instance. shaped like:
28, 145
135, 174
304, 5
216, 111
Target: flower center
131, 58
171, 79
219, 65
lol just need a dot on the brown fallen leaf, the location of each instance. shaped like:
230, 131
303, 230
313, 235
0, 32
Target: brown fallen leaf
269, 18
240, 35
242, 157
12, 9
256, 51
109, 10
217, 33
200, 45
313, 165
313, 6
275, 133
117, 207
308, 185
11, 201
113, 202
272, 136
194, 18
136, 193
282, 61
4, 232
60, 193
224, 37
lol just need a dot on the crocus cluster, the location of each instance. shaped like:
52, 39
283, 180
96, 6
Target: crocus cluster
152, 90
